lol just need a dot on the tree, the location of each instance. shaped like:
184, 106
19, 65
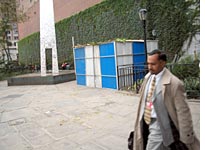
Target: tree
174, 21
9, 14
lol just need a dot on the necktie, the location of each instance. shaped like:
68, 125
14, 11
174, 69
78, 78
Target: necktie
149, 105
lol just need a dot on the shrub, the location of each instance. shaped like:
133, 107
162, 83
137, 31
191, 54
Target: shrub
187, 69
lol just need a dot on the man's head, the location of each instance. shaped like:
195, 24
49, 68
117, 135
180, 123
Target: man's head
156, 61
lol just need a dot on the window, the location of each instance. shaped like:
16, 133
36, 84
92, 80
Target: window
16, 37
8, 37
9, 43
14, 25
8, 32
16, 31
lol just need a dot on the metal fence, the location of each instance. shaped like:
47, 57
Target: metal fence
130, 77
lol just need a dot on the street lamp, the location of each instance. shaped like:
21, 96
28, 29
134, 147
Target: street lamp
143, 17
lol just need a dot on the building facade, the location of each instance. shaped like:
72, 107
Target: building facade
62, 9
11, 45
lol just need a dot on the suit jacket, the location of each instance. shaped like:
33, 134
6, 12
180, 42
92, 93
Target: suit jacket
174, 97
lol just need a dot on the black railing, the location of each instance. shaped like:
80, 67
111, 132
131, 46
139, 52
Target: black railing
130, 77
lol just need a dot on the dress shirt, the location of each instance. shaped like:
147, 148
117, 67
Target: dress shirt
158, 77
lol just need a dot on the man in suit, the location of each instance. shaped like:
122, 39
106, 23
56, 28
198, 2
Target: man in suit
168, 126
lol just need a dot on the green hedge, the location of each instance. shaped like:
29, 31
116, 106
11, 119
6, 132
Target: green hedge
29, 50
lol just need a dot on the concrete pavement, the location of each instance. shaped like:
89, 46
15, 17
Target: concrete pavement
67, 116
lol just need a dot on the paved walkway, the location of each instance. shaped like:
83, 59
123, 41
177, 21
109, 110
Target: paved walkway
68, 117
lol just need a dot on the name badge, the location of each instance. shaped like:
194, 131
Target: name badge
149, 105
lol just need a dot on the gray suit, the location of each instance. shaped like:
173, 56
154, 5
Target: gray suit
171, 96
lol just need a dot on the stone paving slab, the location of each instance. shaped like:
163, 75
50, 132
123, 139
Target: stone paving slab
67, 116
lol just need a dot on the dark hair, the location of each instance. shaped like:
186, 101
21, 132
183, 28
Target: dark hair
162, 56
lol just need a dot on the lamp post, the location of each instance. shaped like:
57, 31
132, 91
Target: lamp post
143, 17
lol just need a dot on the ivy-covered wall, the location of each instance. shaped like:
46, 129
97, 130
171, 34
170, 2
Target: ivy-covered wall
29, 50
174, 22
108, 20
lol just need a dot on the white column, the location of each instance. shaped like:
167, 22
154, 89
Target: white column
48, 35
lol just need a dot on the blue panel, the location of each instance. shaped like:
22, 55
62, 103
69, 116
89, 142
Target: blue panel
80, 66
138, 47
81, 79
107, 65
106, 49
80, 52
138, 53
109, 82
139, 59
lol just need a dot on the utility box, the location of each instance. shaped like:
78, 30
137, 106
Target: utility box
97, 65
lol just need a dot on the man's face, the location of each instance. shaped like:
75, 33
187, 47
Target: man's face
154, 64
